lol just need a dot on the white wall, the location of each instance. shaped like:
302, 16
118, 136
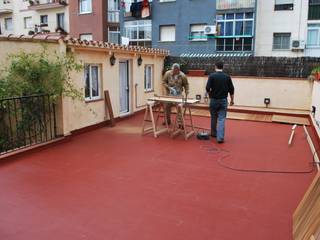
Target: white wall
316, 100
270, 21
292, 94
20, 11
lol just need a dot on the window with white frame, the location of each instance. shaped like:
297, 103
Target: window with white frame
281, 41
148, 78
27, 22
283, 5
139, 32
313, 39
92, 82
197, 32
167, 33
8, 24
235, 31
113, 11
235, 24
114, 35
85, 6
86, 36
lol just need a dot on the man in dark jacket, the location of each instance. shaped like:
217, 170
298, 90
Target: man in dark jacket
218, 86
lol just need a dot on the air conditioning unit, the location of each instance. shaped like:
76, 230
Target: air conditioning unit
210, 30
298, 45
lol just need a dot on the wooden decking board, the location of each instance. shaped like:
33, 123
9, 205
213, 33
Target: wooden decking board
292, 120
263, 109
257, 117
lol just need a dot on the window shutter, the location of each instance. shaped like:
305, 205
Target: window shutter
167, 33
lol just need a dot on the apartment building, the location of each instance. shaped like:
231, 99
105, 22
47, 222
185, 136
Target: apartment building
28, 17
193, 27
95, 20
288, 28
84, 19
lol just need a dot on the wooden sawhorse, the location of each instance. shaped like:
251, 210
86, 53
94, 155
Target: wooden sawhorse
149, 118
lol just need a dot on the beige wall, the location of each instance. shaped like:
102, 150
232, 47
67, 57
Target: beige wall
79, 114
7, 47
284, 93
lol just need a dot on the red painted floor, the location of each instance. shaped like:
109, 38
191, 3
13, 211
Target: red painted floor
115, 184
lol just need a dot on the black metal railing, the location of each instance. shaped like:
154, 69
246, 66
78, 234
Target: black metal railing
26, 121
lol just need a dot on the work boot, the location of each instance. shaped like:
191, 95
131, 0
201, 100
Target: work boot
220, 141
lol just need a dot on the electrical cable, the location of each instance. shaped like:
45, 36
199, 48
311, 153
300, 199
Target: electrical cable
211, 149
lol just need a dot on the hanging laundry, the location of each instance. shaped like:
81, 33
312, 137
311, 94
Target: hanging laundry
136, 9
145, 12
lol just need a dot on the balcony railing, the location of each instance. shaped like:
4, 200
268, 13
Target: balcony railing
231, 4
26, 121
6, 7
46, 4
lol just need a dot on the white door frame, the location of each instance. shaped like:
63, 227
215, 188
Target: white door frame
122, 114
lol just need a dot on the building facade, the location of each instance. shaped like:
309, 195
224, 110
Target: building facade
193, 27
179, 26
95, 20
28, 17
288, 28
84, 19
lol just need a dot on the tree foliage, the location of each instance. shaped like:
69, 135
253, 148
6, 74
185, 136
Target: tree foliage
39, 73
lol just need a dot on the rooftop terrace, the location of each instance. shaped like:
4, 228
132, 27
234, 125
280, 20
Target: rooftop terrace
113, 183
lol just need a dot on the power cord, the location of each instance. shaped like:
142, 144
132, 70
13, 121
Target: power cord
212, 149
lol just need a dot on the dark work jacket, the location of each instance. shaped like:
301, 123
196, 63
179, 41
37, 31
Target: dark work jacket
219, 85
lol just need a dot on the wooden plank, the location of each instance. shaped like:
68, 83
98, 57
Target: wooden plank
109, 109
168, 99
312, 147
236, 116
263, 109
291, 120
306, 218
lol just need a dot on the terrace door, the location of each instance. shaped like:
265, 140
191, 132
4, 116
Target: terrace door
124, 87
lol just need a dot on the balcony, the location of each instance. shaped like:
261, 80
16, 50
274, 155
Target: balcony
46, 4
6, 7
231, 4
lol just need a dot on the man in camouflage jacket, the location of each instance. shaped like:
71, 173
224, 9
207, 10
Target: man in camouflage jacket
174, 82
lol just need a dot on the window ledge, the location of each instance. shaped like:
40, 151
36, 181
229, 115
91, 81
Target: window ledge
85, 13
149, 91
93, 100
281, 50
166, 41
205, 40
